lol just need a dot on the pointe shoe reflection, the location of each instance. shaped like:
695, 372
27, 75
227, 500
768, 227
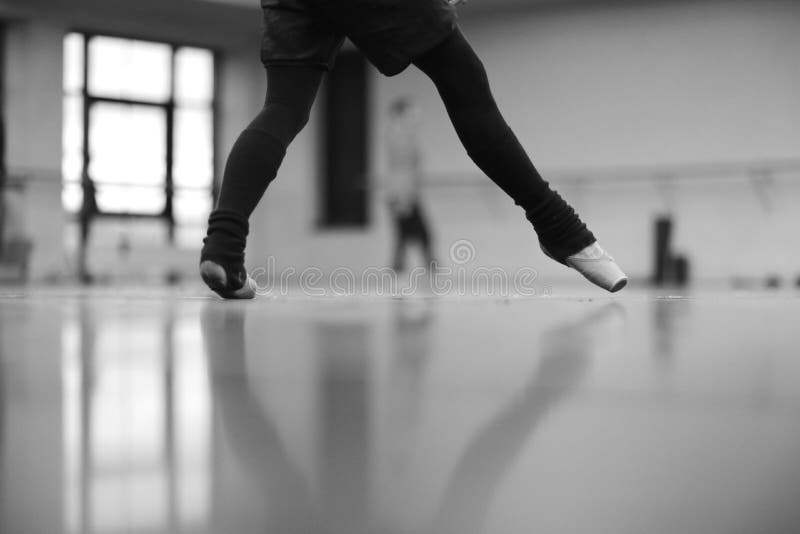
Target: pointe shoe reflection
487, 460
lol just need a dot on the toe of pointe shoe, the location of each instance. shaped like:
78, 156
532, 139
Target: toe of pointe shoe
603, 272
217, 280
618, 284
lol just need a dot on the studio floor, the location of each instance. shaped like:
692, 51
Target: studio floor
163, 413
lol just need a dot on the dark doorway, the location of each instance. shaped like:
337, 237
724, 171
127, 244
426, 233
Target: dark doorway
345, 144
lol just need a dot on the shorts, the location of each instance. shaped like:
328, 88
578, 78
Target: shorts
390, 33
411, 224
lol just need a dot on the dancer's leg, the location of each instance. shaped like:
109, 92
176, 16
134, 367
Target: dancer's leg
252, 164
463, 85
461, 79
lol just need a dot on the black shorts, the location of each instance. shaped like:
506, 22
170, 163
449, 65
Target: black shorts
412, 225
391, 33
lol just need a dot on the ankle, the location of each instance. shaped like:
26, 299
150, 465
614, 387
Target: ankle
225, 239
561, 249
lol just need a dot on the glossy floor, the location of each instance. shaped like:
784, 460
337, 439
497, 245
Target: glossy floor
162, 414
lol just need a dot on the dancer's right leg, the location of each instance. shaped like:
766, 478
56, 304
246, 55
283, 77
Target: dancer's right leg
252, 164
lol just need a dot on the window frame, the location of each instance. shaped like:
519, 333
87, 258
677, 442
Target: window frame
169, 108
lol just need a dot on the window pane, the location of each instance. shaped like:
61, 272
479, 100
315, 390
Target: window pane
72, 138
121, 199
191, 206
193, 156
122, 68
190, 237
73, 63
128, 144
72, 197
194, 76
72, 166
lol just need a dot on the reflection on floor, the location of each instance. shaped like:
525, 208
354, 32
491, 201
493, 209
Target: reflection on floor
171, 415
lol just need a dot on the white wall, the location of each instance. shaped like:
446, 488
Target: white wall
599, 87
33, 121
660, 83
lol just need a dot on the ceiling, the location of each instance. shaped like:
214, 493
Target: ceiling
472, 7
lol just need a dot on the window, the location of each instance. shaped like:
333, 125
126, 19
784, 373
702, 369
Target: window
139, 122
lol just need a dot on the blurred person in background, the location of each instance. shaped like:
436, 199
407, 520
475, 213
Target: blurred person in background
404, 182
300, 42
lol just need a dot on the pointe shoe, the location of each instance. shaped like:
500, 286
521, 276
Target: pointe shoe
216, 279
597, 266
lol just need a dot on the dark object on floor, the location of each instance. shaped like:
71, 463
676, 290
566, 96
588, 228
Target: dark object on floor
669, 268
663, 236
14, 260
680, 270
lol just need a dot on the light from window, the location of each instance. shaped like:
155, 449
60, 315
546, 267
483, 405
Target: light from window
191, 207
73, 63
194, 150
72, 140
134, 90
127, 144
194, 76
122, 68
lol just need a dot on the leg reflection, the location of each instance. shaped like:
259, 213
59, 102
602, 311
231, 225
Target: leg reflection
252, 435
488, 458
